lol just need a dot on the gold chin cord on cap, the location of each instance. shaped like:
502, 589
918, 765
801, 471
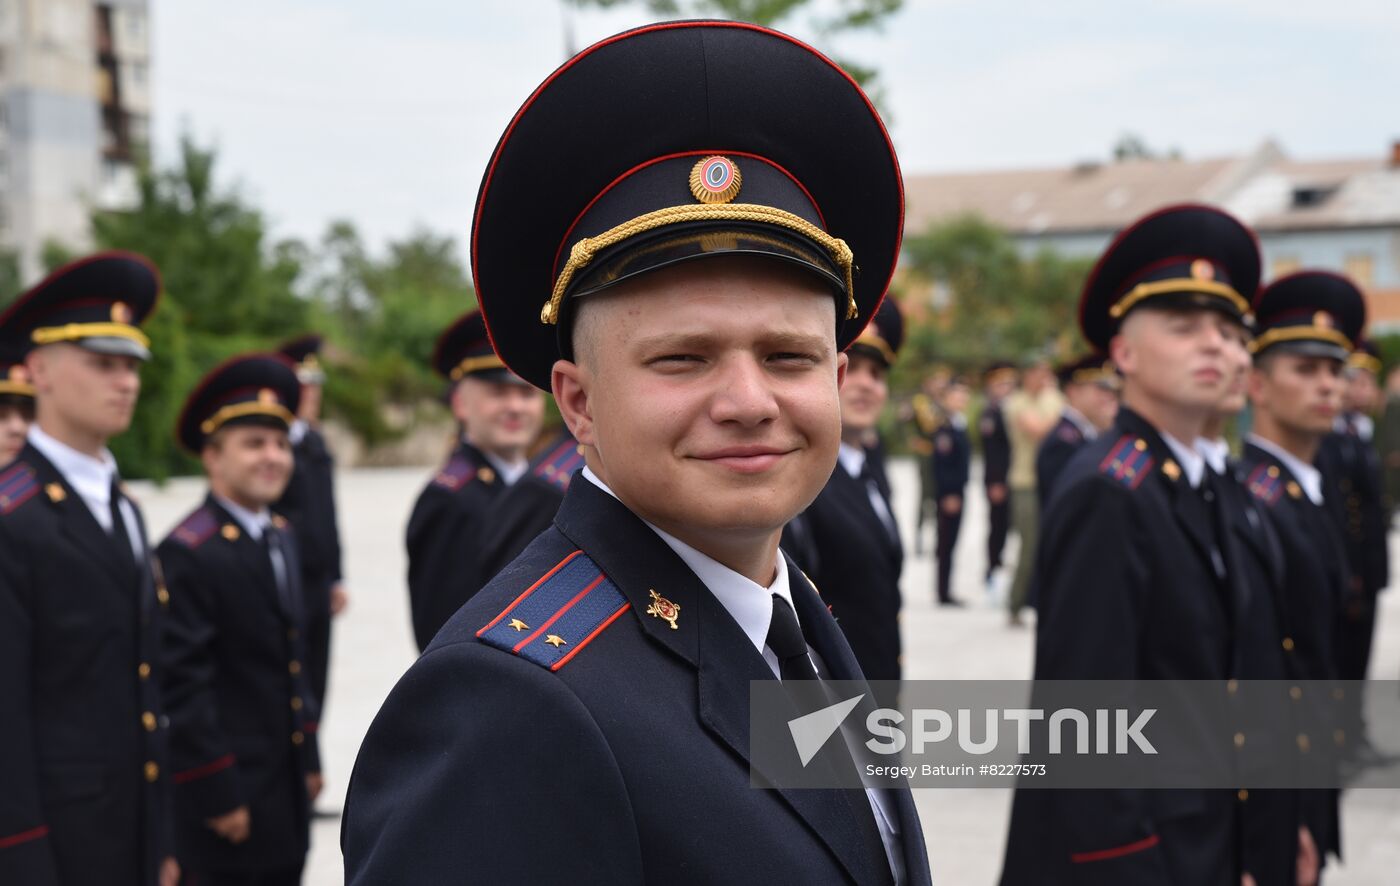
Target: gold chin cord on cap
585, 250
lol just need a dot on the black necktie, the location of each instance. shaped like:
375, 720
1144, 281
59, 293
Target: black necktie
272, 543
878, 502
120, 537
800, 678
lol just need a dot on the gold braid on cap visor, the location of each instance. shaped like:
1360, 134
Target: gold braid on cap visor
587, 249
474, 364
243, 410
876, 341
1294, 333
75, 331
1363, 360
17, 388
1174, 286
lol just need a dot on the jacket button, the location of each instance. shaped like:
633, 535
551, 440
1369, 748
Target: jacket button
1239, 739
1287, 644
148, 720
1232, 686
294, 668
152, 772
1304, 744
298, 738
1295, 693
296, 703
163, 596
1242, 795
143, 671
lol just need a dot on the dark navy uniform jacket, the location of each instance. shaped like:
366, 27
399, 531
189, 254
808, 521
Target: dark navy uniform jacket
554, 730
1356, 500
446, 539
84, 787
1314, 586
1130, 590
996, 445
952, 456
528, 507
309, 503
848, 552
243, 719
1055, 451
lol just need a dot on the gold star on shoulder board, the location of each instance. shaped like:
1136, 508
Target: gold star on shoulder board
229, 532
556, 641
518, 625
55, 492
1170, 468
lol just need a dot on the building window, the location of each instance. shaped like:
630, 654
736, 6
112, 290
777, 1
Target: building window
1360, 267
1285, 264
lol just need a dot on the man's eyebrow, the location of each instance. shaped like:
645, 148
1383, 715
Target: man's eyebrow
702, 340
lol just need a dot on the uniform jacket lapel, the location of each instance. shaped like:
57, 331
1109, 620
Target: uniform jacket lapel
79, 525
251, 556
639, 562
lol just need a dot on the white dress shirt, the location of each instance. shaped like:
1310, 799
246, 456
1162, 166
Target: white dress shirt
255, 523
92, 479
1191, 461
1216, 452
1085, 426
508, 471
751, 606
852, 458
1309, 477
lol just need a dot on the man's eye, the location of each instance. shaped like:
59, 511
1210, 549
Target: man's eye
674, 360
793, 357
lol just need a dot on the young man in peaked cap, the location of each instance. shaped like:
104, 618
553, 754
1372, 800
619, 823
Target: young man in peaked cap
687, 185
499, 415
1308, 324
309, 504
82, 751
243, 714
1090, 388
847, 541
998, 381
1133, 570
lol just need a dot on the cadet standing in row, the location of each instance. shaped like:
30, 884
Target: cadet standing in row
698, 305
499, 416
16, 401
1307, 322
243, 713
1090, 389
847, 541
86, 796
922, 416
998, 381
1355, 491
309, 503
952, 460
1133, 550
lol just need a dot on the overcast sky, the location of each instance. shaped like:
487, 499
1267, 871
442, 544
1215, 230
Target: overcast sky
385, 113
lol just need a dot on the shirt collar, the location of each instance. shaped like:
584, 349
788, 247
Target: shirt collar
1308, 476
747, 602
1077, 419
852, 458
90, 477
1216, 452
508, 471
1190, 460
253, 522
297, 432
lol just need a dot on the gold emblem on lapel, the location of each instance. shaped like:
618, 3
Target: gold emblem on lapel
518, 625
55, 492
1294, 490
487, 475
229, 532
663, 609
1171, 470
556, 641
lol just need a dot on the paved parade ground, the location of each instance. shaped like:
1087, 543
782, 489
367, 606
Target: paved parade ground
965, 829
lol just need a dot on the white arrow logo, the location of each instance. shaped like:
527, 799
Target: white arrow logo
811, 731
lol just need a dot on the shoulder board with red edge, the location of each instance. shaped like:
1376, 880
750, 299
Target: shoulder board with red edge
18, 484
197, 528
557, 464
458, 472
558, 615
1265, 483
1128, 461
1069, 433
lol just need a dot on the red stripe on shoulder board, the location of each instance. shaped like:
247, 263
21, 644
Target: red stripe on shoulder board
589, 639
525, 593
24, 836
1116, 851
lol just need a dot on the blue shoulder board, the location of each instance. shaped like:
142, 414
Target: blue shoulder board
1128, 462
196, 529
1265, 484
1069, 433
17, 486
557, 465
558, 615
458, 472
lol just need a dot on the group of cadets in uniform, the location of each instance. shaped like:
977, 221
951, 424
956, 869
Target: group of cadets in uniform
162, 705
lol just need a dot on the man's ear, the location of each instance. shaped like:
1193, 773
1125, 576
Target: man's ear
1123, 354
843, 361
571, 385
